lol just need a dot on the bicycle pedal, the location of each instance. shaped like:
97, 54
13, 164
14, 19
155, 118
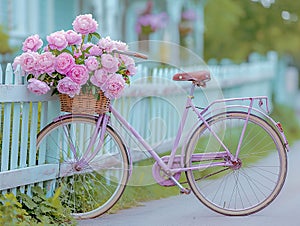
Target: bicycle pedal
185, 191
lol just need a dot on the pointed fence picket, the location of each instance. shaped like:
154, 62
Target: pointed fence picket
153, 104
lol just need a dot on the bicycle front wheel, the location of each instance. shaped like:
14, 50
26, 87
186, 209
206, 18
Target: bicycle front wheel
256, 179
89, 187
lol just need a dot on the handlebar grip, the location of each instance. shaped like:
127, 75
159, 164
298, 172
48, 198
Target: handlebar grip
130, 53
140, 55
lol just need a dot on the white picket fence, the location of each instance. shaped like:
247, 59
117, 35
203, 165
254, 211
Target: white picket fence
153, 104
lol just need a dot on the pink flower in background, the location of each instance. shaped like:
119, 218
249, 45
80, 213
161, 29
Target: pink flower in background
38, 87
57, 40
85, 24
46, 63
68, 86
32, 43
189, 14
73, 38
79, 74
91, 63
149, 23
109, 63
99, 78
114, 86
64, 62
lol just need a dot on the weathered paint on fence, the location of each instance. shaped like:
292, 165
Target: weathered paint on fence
152, 104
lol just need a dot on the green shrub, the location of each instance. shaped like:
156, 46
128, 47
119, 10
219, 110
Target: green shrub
33, 210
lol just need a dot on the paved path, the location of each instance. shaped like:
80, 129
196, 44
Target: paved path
185, 210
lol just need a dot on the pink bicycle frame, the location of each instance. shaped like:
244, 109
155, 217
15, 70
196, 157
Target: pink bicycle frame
201, 115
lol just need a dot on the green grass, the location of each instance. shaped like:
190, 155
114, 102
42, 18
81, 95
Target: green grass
289, 120
142, 187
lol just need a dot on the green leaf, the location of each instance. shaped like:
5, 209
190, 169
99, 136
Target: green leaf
87, 50
97, 35
67, 51
27, 201
45, 209
29, 77
90, 36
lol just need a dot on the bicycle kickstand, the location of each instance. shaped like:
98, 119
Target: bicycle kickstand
183, 190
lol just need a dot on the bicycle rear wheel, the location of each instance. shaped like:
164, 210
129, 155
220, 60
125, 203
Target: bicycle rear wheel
88, 187
258, 177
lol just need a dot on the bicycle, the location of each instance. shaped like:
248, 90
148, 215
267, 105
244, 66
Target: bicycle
242, 173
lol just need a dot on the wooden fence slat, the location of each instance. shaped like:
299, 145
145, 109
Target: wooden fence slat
24, 135
19, 77
30, 175
15, 137
33, 134
9, 76
6, 137
24, 138
1, 75
43, 122
20, 93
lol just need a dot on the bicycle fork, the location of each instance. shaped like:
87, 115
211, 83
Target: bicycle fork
88, 156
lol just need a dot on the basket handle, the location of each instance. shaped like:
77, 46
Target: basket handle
130, 53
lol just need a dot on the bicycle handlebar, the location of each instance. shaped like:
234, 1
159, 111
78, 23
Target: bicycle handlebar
130, 53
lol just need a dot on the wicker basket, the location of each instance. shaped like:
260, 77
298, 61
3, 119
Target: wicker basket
84, 103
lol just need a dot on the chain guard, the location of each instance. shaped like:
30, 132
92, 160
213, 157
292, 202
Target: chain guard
160, 176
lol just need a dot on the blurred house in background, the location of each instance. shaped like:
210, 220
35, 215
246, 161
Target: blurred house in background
183, 20
180, 22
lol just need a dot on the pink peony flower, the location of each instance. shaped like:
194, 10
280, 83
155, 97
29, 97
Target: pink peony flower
28, 62
93, 51
109, 63
57, 40
114, 86
77, 53
85, 24
99, 78
91, 63
79, 74
131, 69
106, 44
46, 63
17, 61
38, 87
68, 86
120, 45
126, 60
32, 43
64, 62
73, 38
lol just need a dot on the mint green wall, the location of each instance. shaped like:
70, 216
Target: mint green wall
65, 13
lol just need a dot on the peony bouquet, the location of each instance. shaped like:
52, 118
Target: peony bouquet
75, 61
